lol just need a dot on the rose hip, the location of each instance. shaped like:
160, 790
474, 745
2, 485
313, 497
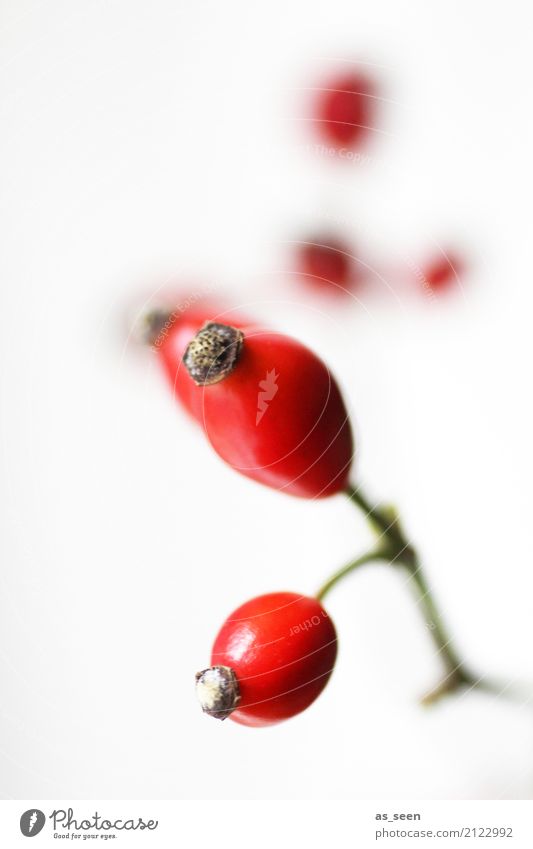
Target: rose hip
271, 659
344, 110
326, 264
442, 272
270, 408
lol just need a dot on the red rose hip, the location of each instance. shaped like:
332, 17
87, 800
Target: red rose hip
326, 264
442, 272
344, 109
271, 659
271, 409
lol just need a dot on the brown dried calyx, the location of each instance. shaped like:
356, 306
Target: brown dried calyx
213, 353
154, 326
217, 689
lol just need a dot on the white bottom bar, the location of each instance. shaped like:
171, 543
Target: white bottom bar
258, 824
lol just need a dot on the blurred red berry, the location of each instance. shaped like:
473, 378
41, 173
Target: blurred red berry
326, 264
345, 109
271, 659
442, 272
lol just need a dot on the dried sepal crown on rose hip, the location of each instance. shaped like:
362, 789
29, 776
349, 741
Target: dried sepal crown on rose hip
168, 332
268, 405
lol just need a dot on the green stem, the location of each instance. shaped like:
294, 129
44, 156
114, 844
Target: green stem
374, 514
368, 557
456, 675
384, 521
394, 547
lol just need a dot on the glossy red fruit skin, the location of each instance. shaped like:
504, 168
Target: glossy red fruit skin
282, 647
326, 264
345, 109
171, 343
279, 418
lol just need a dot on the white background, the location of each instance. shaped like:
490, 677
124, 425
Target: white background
149, 141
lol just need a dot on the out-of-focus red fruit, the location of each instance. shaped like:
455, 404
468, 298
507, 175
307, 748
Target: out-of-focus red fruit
442, 272
326, 264
345, 109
